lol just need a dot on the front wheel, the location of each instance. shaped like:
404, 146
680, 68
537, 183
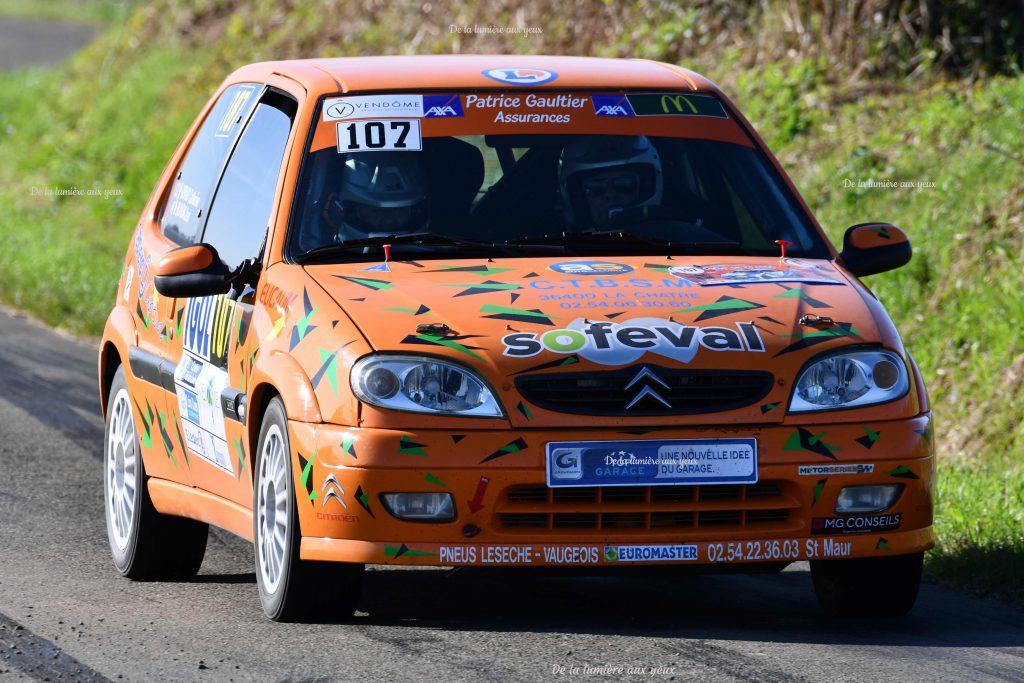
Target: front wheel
868, 587
291, 589
144, 544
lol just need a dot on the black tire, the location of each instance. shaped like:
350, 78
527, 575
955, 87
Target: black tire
868, 587
149, 546
297, 590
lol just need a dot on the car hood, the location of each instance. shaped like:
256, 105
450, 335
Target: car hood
511, 316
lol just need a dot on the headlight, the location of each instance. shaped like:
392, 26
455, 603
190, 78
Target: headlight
849, 379
422, 385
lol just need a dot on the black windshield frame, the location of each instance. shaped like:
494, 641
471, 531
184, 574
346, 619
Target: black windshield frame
816, 243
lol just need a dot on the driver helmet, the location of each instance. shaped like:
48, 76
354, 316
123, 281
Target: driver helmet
381, 194
600, 176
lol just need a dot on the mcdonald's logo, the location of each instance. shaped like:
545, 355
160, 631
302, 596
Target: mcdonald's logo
676, 104
670, 103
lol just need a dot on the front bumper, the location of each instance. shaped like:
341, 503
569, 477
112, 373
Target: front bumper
507, 516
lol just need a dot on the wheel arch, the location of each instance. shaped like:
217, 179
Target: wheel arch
278, 374
117, 335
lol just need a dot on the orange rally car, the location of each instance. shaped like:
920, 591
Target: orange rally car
504, 311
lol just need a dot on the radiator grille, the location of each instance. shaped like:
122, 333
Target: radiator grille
645, 390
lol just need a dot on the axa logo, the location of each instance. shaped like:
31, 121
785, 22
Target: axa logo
650, 387
521, 76
440, 112
441, 106
611, 105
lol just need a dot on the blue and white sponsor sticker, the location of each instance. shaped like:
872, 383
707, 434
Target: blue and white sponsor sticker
650, 553
441, 106
190, 373
191, 404
591, 268
652, 462
521, 76
611, 105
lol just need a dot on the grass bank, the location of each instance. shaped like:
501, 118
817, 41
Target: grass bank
105, 123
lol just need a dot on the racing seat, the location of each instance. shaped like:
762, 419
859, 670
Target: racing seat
524, 198
455, 171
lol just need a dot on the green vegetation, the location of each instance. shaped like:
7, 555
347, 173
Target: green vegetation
845, 101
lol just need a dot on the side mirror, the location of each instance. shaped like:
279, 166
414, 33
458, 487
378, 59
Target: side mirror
191, 271
870, 248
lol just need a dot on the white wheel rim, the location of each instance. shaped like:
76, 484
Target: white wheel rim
122, 469
272, 508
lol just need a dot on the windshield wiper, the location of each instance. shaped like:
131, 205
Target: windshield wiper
625, 238
421, 238
424, 238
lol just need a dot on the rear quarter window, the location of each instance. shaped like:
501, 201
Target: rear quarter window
189, 197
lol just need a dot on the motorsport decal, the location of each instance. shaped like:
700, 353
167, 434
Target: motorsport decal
856, 524
373, 107
619, 343
519, 554
760, 550
441, 106
822, 470
207, 328
521, 76
649, 553
144, 262
676, 104
611, 105
550, 108
651, 462
235, 111
386, 135
191, 371
591, 268
201, 377
789, 270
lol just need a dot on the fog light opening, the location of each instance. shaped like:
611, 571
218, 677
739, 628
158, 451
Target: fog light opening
869, 498
420, 507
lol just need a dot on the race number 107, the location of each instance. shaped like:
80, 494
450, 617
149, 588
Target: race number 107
392, 135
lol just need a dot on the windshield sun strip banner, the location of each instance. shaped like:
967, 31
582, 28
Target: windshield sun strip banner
515, 112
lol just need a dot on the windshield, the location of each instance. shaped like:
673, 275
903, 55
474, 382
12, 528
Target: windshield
524, 173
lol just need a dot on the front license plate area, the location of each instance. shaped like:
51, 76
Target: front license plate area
651, 462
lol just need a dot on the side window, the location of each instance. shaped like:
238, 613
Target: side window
190, 193
241, 208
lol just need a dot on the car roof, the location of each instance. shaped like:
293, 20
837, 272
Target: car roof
351, 74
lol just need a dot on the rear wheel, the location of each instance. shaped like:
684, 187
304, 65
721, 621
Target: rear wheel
291, 589
868, 587
144, 543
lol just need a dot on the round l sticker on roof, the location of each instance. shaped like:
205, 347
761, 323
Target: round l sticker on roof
521, 76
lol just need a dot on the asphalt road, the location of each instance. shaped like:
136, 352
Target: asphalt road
65, 614
27, 42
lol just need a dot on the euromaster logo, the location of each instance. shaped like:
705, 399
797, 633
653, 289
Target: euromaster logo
617, 343
650, 553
